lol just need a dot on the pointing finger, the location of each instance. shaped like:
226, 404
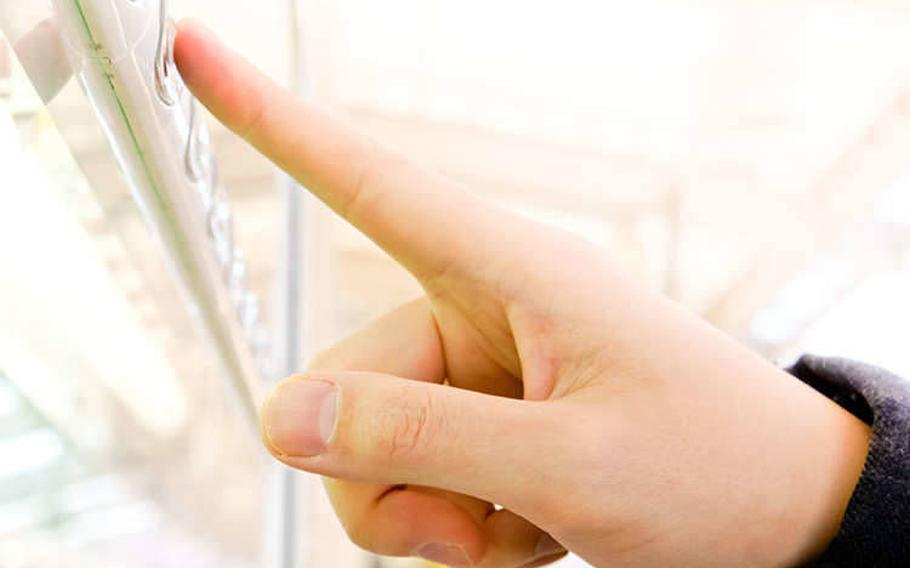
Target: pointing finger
426, 222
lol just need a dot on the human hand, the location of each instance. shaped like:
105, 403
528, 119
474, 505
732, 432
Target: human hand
533, 376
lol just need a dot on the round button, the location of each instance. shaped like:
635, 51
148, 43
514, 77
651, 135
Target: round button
167, 80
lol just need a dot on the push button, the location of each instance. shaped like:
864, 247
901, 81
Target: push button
167, 80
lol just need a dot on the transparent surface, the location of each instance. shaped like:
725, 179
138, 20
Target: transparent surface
208, 474
115, 418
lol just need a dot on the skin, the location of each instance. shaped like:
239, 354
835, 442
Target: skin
601, 418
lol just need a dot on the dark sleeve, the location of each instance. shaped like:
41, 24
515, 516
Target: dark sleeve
876, 527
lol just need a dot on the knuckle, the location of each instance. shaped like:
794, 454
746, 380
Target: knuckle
366, 166
360, 534
256, 115
355, 519
419, 422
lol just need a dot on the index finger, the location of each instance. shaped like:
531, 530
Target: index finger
422, 220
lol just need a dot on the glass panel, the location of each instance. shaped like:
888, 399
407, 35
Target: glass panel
115, 421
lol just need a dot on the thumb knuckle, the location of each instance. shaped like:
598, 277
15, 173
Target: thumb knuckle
418, 423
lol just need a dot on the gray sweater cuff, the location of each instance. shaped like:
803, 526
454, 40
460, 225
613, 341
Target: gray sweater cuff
876, 527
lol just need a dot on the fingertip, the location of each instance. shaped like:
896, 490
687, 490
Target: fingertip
187, 36
186, 26
264, 405
224, 81
515, 541
190, 31
300, 417
410, 522
192, 48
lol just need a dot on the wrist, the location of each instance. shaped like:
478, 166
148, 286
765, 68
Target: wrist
835, 462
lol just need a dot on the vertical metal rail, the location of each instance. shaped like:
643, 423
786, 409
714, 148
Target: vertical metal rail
293, 533
290, 535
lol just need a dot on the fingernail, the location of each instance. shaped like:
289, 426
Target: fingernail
448, 554
299, 417
545, 561
546, 546
546, 552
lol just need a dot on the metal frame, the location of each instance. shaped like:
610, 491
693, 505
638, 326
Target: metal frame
287, 493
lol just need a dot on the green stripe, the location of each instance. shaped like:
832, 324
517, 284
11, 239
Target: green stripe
163, 205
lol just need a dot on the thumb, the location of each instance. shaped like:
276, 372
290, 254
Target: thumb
379, 428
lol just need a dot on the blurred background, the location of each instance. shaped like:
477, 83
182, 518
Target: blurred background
747, 158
